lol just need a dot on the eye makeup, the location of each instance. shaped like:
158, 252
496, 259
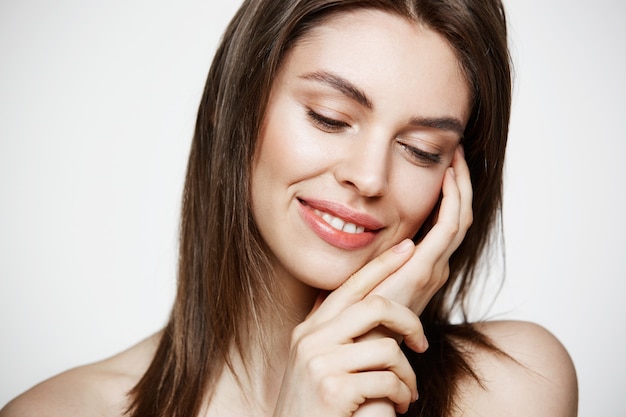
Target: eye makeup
420, 156
326, 124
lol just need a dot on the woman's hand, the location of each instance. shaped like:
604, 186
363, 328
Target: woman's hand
327, 373
424, 274
414, 284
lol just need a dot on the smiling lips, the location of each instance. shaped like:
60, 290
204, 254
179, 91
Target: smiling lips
338, 225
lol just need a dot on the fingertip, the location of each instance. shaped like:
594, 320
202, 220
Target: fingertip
414, 396
420, 345
402, 408
404, 246
424, 344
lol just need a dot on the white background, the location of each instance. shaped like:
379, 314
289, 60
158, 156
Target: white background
97, 107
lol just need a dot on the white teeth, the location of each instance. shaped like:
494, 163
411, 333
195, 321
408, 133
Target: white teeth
340, 224
337, 223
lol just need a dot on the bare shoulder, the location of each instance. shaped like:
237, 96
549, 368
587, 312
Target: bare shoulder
537, 380
98, 389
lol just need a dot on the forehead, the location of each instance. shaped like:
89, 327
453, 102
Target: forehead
386, 55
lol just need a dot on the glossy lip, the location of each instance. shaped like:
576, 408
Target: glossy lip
336, 237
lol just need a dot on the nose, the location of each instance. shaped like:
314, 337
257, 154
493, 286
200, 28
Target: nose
365, 166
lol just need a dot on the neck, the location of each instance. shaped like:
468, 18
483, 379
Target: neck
250, 386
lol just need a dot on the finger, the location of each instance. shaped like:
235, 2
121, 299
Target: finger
442, 234
423, 274
454, 215
380, 354
364, 280
373, 311
464, 184
379, 407
380, 331
379, 384
428, 269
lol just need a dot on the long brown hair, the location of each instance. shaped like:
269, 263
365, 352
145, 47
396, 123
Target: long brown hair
224, 278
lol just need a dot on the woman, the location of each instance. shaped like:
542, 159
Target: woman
330, 135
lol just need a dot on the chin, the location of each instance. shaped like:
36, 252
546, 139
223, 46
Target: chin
327, 277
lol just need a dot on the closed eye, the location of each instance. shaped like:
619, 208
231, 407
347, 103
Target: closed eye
420, 156
326, 123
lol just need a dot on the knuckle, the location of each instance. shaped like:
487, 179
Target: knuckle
377, 302
389, 382
444, 275
469, 219
453, 229
439, 278
425, 279
330, 388
317, 367
390, 347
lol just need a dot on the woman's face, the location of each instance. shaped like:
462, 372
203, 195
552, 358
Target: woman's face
363, 119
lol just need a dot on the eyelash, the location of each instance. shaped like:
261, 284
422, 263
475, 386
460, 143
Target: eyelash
421, 156
332, 126
325, 123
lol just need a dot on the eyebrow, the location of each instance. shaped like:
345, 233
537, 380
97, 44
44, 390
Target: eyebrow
450, 124
339, 83
344, 86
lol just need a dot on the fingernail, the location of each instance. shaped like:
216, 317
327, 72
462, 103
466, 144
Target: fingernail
462, 151
403, 246
452, 172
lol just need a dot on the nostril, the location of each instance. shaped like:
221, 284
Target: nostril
368, 184
365, 168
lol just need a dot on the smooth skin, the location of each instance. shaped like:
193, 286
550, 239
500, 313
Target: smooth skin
333, 359
375, 134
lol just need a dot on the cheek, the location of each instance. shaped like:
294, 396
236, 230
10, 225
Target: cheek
274, 158
417, 202
285, 155
286, 140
